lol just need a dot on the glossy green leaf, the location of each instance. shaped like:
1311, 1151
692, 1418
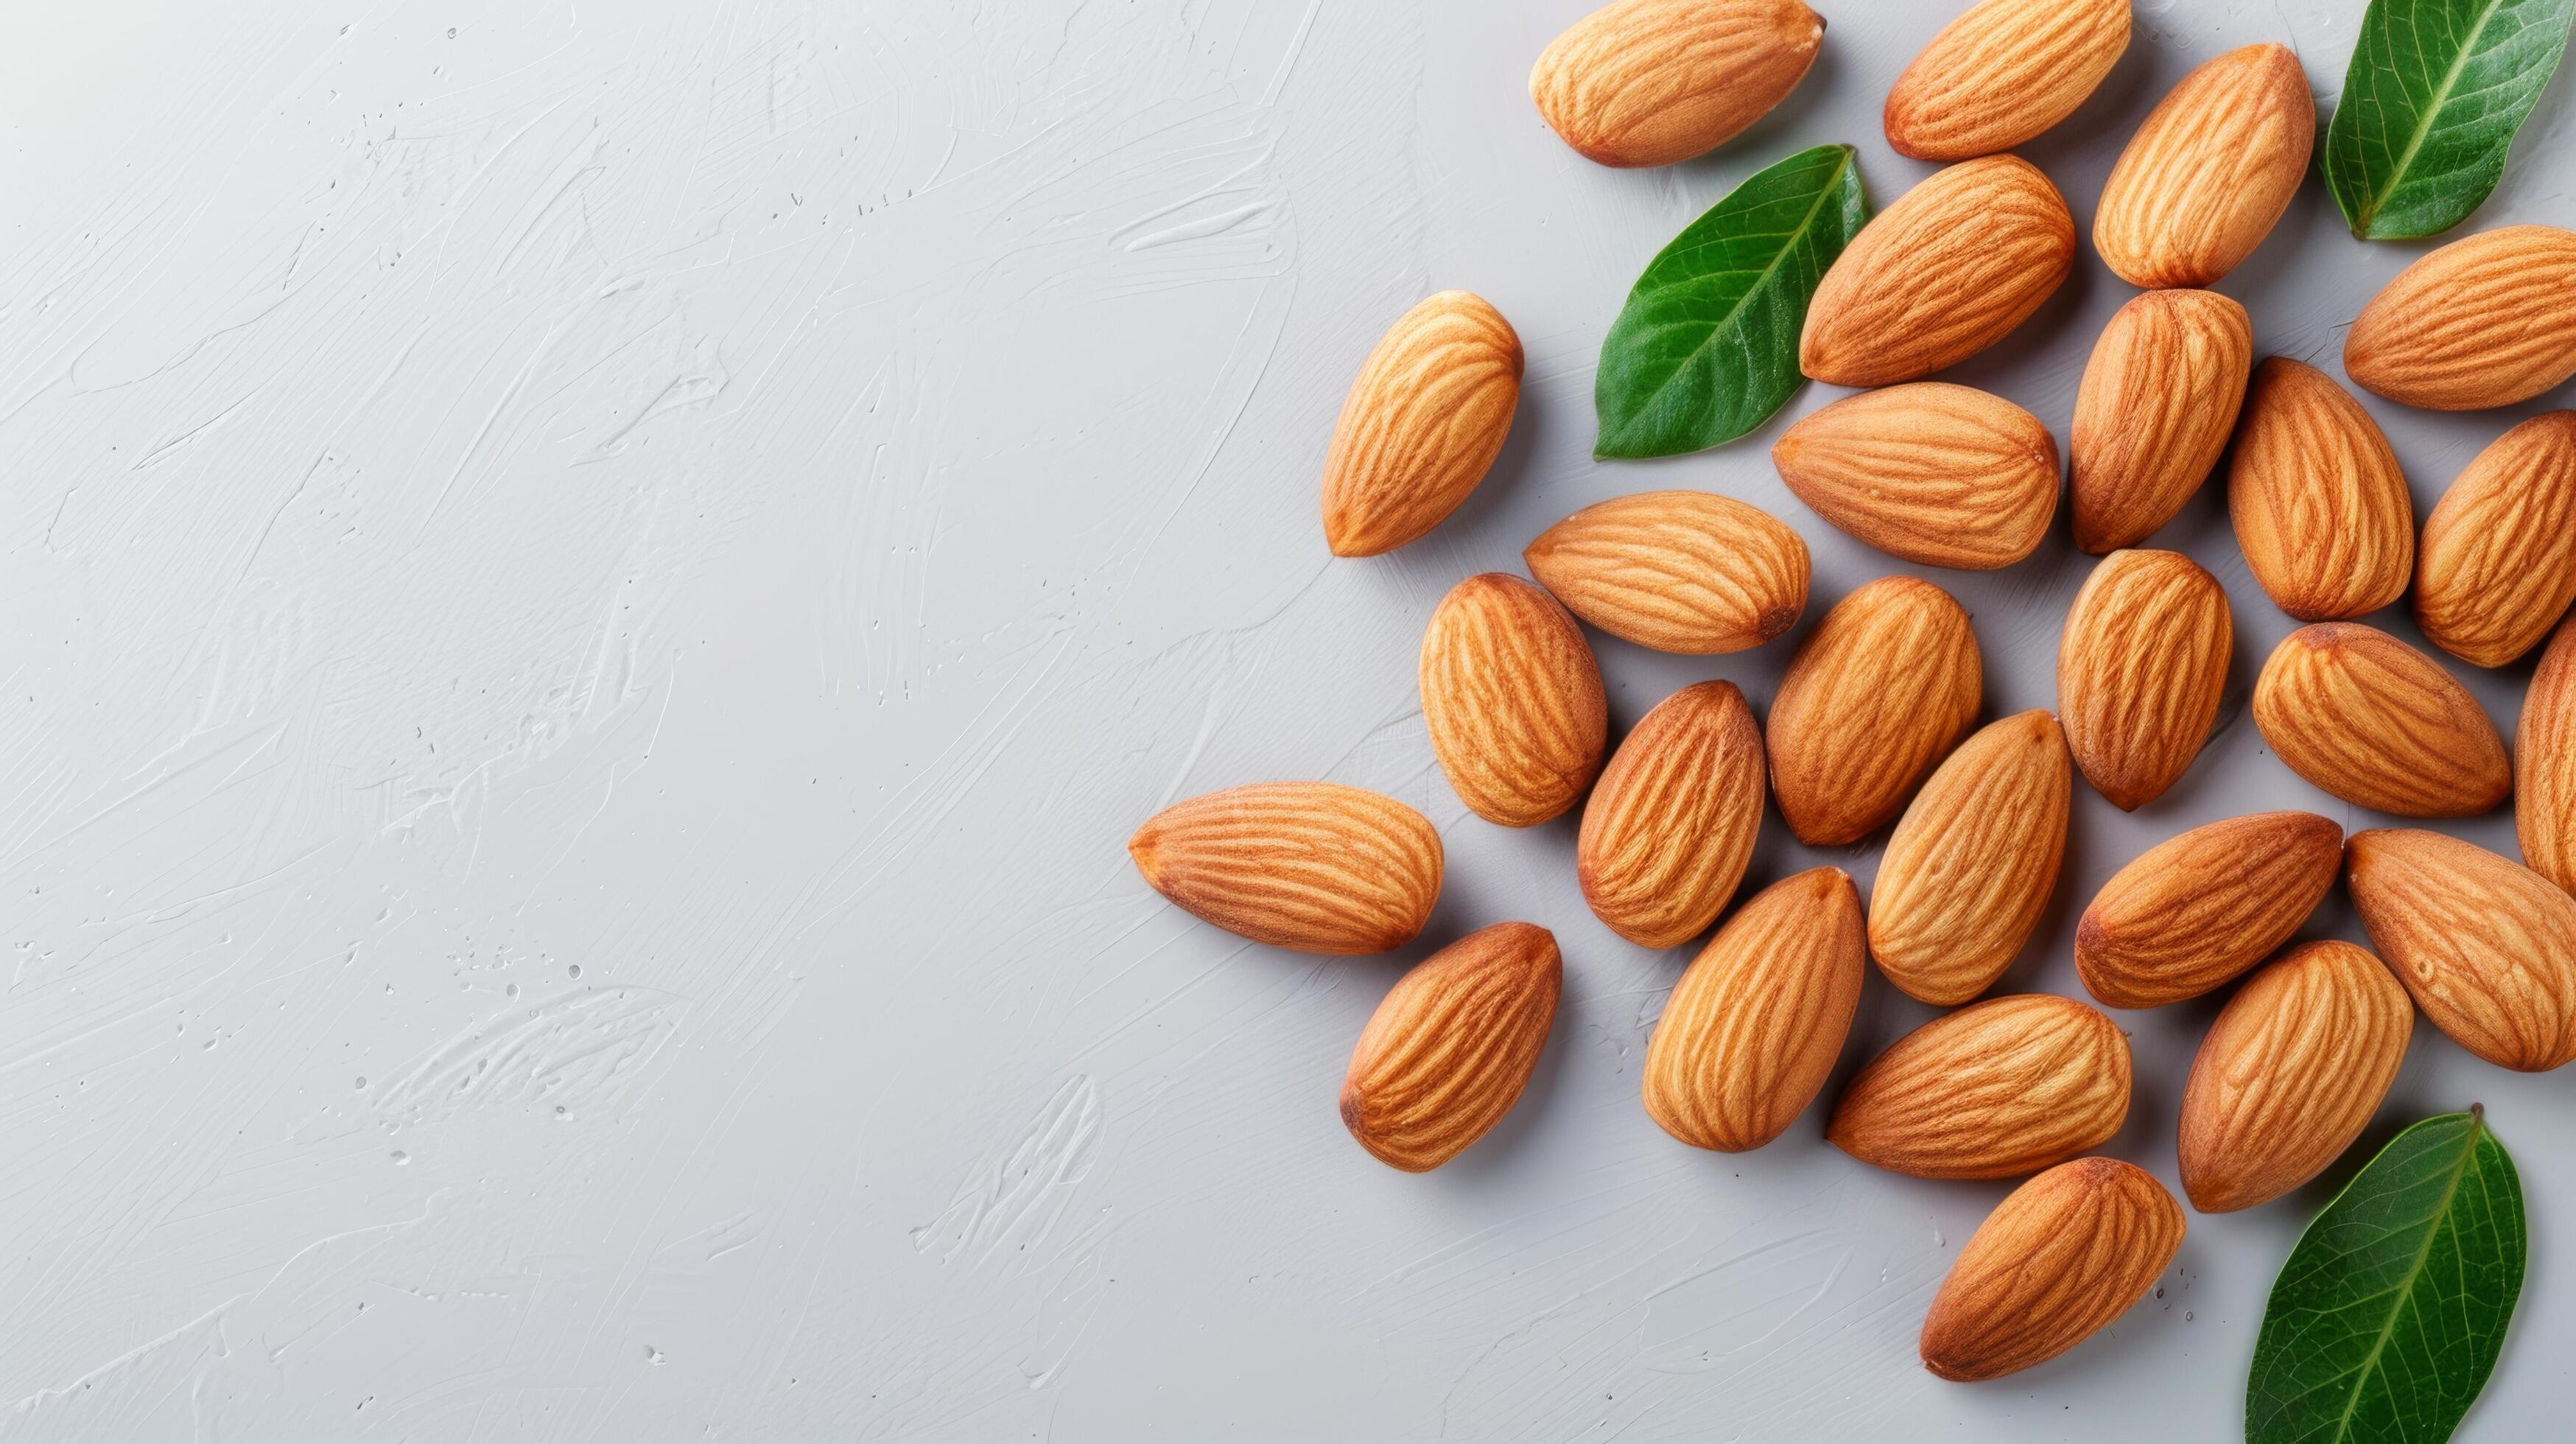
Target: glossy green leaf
2388, 1317
1707, 346
2430, 105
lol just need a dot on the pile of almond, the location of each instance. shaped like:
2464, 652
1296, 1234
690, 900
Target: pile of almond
1876, 719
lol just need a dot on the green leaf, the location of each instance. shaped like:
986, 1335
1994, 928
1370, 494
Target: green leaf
2430, 104
1707, 346
2387, 1319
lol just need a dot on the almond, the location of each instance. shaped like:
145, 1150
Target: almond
1754, 1025
1667, 833
2141, 666
1873, 699
1651, 82
1512, 699
2487, 946
2007, 1087
2481, 322
1944, 475
2498, 564
2002, 73
1678, 571
1971, 865
2290, 1074
2321, 509
1448, 1052
2196, 910
1939, 276
1422, 424
2544, 763
2153, 412
2379, 724
2060, 1257
2210, 170
1313, 866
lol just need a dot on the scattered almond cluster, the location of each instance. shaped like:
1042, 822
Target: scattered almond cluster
1875, 719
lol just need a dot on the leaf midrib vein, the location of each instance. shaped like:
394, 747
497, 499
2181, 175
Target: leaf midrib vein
2441, 1220
2441, 96
1806, 223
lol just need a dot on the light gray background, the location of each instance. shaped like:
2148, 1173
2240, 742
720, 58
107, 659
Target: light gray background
593, 593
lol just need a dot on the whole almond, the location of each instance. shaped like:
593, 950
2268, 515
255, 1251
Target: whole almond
1422, 424
2196, 910
2007, 1087
2486, 945
2481, 322
1651, 82
1669, 829
1678, 571
1939, 276
2379, 724
2321, 509
1512, 699
2001, 73
2141, 666
1873, 699
2498, 564
1971, 865
1448, 1052
2063, 1255
2544, 765
1944, 475
1313, 866
2210, 170
2290, 1073
2153, 411
1753, 1027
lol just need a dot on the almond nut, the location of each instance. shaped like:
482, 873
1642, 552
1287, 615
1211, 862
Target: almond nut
2007, 1087
2544, 764
2065, 1254
2001, 73
1651, 82
2209, 171
2481, 322
1512, 699
2152, 414
1678, 571
1448, 1052
1313, 866
2498, 564
1944, 475
2320, 507
1971, 865
1873, 699
2379, 724
1670, 827
2196, 910
2486, 945
2141, 666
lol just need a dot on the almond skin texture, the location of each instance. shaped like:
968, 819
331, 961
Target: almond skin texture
1651, 82
2060, 1257
1971, 865
1449, 1051
2481, 322
1512, 699
2379, 724
2320, 507
2498, 564
2210, 170
2008, 1087
2152, 414
2140, 669
2544, 761
1939, 276
1313, 866
1944, 475
1754, 1026
2486, 945
1667, 833
2290, 1073
1678, 571
1874, 698
1422, 424
2002, 73
2196, 910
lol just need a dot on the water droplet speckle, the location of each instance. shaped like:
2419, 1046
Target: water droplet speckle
401, 1159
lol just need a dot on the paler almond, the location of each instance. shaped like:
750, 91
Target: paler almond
2481, 322
1422, 424
1971, 865
2196, 910
1678, 571
2486, 945
1313, 866
1873, 699
1669, 829
2007, 1087
2544, 764
2152, 414
2498, 564
2063, 1255
2320, 508
1944, 475
2379, 724
2209, 171
2001, 73
2141, 666
1448, 1052
1651, 82
1512, 699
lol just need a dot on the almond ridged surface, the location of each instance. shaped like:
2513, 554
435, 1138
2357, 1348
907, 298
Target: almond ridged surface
2198, 909
1948, 476
2007, 1087
2544, 765
2497, 567
1314, 866
1422, 424
1973, 861
2320, 507
2481, 322
1512, 699
1651, 82
2486, 945
1872, 700
1448, 1052
2379, 724
1668, 830
2209, 171
2001, 73
2141, 666
1678, 571
2152, 414
2063, 1255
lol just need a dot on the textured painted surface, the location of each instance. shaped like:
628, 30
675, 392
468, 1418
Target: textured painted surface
594, 591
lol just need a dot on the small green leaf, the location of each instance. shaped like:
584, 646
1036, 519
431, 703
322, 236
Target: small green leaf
2430, 104
1707, 346
2388, 1317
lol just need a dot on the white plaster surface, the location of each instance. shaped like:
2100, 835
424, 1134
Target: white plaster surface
593, 590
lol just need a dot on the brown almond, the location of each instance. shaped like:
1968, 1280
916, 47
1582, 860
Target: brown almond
2487, 946
2379, 724
2498, 564
1944, 475
1678, 571
2001, 73
2209, 171
2481, 322
1669, 829
2544, 765
1448, 1052
1313, 866
2152, 414
1512, 699
2063, 1255
2320, 507
2141, 666
1972, 863
1873, 699
2196, 910
1422, 424
2007, 1087
1651, 82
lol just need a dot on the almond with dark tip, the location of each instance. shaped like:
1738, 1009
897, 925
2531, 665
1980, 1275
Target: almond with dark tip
1448, 1052
2197, 910
2006, 1087
1313, 866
